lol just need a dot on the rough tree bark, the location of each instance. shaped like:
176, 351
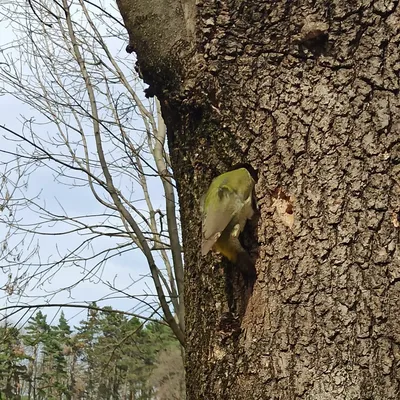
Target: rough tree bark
307, 92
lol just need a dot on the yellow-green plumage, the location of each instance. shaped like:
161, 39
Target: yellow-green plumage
226, 206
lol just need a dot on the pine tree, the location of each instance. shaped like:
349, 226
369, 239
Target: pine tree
12, 363
108, 357
87, 334
35, 332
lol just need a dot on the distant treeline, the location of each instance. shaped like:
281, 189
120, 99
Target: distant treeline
108, 356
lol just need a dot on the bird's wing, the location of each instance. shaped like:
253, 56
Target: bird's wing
207, 244
216, 219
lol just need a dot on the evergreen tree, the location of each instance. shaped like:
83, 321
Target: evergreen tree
35, 332
87, 335
109, 357
12, 363
57, 349
48, 369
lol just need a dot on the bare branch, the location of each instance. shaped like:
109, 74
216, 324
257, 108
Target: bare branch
94, 133
19, 307
111, 188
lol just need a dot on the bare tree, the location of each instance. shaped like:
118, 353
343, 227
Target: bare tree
94, 132
168, 376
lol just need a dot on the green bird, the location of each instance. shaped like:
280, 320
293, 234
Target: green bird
226, 206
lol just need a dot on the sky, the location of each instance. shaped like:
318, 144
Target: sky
127, 271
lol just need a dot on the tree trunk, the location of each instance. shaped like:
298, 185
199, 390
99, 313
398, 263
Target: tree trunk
308, 94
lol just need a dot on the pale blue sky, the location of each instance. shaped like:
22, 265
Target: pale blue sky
126, 271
